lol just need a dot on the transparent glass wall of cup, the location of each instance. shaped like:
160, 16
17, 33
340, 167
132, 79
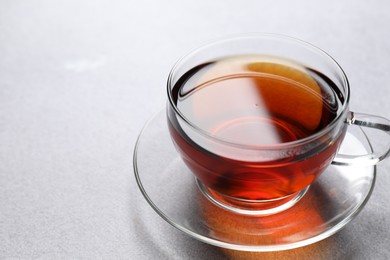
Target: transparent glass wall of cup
256, 178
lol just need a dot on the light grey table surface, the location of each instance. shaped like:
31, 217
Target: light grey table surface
78, 79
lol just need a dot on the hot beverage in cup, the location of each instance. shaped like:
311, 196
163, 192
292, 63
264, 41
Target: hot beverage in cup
258, 118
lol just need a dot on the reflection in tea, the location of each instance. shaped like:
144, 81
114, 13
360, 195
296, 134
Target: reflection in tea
250, 102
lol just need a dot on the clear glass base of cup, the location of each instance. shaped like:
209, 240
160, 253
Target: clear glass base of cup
251, 207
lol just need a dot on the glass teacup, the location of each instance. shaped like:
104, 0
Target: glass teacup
257, 118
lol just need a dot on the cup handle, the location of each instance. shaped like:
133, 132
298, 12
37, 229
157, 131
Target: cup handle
371, 121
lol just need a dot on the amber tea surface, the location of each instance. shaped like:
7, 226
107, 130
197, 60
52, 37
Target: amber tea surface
254, 102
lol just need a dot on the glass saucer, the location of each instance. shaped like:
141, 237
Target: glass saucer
331, 202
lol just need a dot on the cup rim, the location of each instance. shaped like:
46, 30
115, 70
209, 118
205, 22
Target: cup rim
281, 37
